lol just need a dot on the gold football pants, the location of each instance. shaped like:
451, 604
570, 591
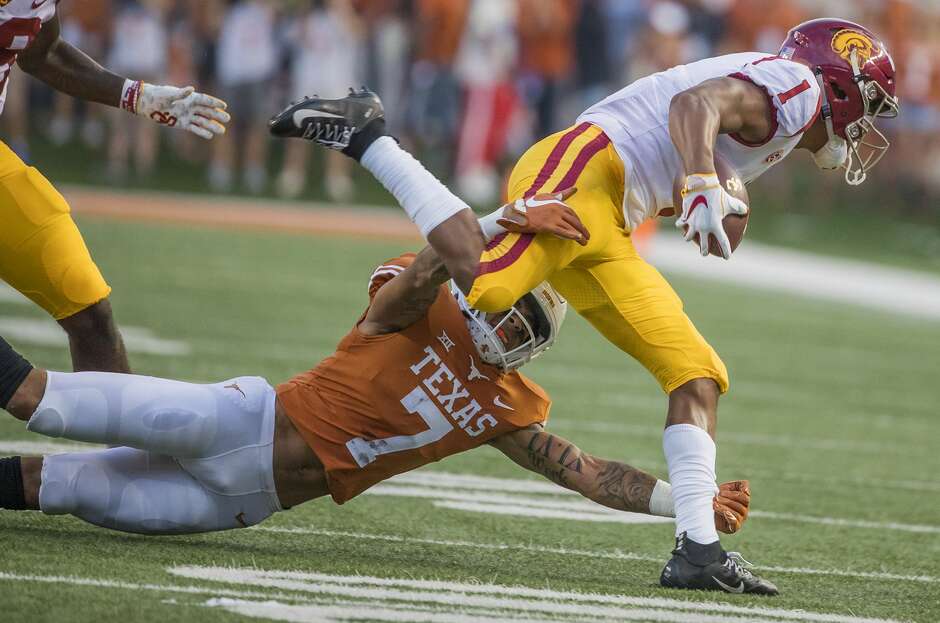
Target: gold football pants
607, 282
42, 253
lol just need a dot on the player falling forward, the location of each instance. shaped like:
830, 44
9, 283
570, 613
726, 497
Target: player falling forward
421, 376
823, 92
42, 253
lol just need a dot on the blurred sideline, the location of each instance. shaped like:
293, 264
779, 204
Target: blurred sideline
756, 265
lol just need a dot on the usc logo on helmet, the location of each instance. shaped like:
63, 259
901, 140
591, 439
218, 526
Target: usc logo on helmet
846, 40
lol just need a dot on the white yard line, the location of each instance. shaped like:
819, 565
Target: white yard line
608, 554
500, 496
45, 332
313, 596
895, 290
510, 597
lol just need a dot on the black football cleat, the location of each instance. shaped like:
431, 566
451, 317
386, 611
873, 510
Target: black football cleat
331, 123
710, 568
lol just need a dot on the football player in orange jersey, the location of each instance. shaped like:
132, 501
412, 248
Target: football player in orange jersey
42, 253
419, 377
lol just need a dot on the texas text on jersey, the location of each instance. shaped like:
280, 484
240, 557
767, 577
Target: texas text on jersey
386, 404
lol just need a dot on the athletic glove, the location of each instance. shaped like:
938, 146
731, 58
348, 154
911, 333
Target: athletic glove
704, 204
543, 213
731, 505
176, 107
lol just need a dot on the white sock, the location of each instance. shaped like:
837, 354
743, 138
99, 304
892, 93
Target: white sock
690, 455
424, 198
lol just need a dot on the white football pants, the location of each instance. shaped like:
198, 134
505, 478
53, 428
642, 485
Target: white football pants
200, 457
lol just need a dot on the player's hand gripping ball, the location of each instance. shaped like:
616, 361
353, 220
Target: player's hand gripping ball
731, 505
545, 213
714, 209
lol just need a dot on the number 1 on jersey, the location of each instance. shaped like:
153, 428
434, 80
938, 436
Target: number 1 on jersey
416, 402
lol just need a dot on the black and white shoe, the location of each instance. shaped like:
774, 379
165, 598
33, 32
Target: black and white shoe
331, 123
710, 568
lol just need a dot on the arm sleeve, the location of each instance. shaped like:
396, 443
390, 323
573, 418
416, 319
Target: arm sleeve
387, 271
792, 90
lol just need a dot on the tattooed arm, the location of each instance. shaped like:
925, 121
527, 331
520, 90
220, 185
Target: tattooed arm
610, 483
405, 299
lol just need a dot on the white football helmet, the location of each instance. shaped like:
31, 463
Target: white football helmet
547, 310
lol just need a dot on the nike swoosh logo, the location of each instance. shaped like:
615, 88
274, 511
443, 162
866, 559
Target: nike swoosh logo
36, 5
736, 589
305, 113
499, 403
696, 203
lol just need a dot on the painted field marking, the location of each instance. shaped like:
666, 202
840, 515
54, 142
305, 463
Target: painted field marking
514, 598
302, 596
455, 491
612, 554
43, 447
764, 267
45, 332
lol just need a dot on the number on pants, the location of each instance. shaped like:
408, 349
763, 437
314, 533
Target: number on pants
416, 402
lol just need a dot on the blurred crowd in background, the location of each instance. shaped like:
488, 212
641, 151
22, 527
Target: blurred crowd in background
468, 84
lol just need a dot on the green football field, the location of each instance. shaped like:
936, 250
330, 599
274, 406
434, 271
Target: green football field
832, 415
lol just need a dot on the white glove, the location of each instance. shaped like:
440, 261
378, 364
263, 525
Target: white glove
176, 107
704, 204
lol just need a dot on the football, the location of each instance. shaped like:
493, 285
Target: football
734, 224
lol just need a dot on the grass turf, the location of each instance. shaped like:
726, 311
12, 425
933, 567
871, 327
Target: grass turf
831, 414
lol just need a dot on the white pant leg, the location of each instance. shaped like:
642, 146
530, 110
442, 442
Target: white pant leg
136, 491
183, 420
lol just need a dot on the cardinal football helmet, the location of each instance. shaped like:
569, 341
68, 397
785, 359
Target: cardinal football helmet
857, 76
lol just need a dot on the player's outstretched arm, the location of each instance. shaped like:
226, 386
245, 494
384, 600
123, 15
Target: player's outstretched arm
610, 483
67, 69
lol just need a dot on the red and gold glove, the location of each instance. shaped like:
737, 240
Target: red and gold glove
731, 505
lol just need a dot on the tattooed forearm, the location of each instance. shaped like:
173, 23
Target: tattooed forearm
554, 458
623, 487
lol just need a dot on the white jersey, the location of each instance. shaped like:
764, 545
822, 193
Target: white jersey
20, 21
636, 119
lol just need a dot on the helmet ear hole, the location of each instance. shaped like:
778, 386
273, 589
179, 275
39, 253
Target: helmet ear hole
837, 91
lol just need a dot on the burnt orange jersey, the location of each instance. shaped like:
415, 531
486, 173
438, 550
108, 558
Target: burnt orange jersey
386, 404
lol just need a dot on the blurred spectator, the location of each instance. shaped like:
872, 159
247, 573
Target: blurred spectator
138, 50
484, 66
325, 41
449, 72
546, 41
89, 28
593, 65
246, 64
435, 95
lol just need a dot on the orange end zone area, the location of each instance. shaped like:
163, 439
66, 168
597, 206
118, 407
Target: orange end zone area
237, 213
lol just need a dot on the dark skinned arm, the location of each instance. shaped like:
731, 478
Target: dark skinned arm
718, 106
615, 485
405, 299
67, 69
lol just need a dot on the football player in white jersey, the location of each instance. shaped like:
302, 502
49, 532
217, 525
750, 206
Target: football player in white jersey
42, 253
823, 92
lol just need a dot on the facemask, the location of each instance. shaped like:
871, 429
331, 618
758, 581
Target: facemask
833, 154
